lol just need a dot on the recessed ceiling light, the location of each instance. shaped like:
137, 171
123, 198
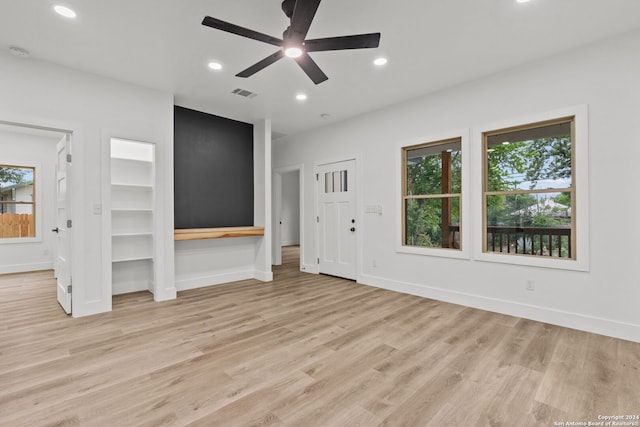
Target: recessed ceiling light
301, 97
215, 66
523, 1
380, 61
64, 11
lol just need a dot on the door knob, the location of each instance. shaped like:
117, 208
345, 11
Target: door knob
353, 229
55, 230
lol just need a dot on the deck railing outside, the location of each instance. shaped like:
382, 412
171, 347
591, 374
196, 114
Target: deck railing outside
541, 241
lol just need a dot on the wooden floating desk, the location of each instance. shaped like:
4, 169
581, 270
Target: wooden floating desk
217, 233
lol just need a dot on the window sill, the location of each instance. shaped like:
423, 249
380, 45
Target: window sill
13, 240
534, 261
435, 252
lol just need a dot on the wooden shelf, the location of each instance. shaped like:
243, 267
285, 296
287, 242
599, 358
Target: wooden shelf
217, 233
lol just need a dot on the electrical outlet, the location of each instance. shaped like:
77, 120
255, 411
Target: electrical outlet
531, 285
97, 209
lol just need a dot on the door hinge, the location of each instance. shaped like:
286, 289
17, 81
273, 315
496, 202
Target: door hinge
317, 219
69, 223
318, 260
69, 289
68, 158
317, 177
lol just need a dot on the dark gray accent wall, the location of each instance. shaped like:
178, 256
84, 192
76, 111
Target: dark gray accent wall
213, 170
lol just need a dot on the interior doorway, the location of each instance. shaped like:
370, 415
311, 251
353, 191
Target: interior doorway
39, 198
288, 217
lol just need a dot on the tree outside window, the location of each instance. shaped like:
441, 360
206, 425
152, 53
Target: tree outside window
431, 194
529, 191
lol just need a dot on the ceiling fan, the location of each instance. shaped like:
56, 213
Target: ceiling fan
293, 43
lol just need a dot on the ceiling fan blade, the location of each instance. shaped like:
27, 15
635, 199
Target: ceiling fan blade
261, 65
241, 31
360, 41
303, 14
311, 68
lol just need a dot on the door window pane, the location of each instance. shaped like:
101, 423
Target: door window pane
335, 182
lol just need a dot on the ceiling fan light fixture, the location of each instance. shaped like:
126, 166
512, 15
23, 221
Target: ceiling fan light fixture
293, 52
294, 42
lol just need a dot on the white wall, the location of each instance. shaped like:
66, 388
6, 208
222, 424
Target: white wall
211, 262
262, 166
290, 214
40, 151
95, 108
603, 300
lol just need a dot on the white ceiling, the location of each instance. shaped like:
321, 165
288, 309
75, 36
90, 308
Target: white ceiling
431, 45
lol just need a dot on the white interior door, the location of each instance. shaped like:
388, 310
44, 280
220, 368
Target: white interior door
63, 241
337, 219
277, 219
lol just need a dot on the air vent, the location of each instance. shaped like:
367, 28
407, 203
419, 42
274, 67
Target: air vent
244, 93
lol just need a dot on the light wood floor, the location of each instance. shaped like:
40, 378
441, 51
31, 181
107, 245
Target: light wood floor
304, 350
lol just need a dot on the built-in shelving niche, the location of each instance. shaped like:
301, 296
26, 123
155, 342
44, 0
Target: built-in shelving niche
132, 216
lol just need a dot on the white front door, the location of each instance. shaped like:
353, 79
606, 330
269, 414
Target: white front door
337, 219
62, 260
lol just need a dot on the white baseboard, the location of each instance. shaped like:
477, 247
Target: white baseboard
597, 325
263, 276
127, 288
310, 268
215, 279
25, 268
